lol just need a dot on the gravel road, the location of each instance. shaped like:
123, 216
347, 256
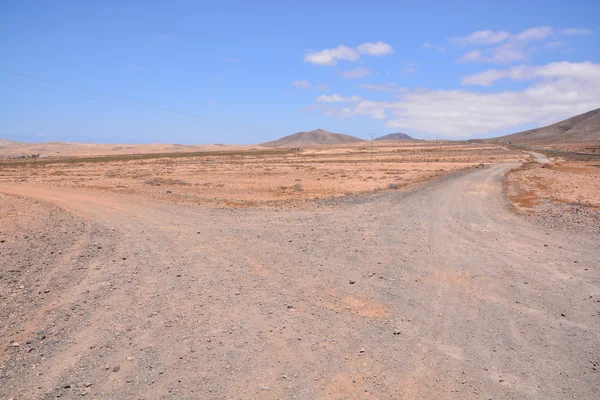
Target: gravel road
436, 293
539, 157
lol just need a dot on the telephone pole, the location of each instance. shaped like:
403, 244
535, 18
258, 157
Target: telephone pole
372, 136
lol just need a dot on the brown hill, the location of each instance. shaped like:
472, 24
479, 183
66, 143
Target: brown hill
6, 142
581, 131
395, 136
316, 137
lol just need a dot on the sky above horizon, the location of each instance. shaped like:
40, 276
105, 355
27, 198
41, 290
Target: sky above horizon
249, 72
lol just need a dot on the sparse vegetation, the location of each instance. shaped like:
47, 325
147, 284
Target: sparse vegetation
163, 181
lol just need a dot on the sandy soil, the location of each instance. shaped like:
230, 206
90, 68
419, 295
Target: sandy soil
576, 183
249, 178
557, 193
437, 292
269, 291
62, 149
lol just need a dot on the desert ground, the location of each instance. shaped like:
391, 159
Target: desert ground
259, 176
433, 271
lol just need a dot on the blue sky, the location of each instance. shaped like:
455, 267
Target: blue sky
267, 69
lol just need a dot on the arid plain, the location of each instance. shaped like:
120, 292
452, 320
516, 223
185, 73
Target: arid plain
250, 176
427, 270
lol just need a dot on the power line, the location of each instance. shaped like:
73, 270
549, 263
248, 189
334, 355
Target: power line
51, 89
139, 103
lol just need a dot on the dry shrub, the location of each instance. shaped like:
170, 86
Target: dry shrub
163, 181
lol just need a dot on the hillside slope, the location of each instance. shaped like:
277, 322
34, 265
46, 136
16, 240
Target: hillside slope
395, 136
6, 142
316, 137
581, 131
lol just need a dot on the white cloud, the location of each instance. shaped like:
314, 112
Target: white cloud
356, 73
575, 31
336, 98
301, 84
581, 71
430, 46
487, 78
383, 87
374, 49
536, 33
332, 56
507, 53
473, 55
503, 54
514, 47
481, 37
558, 90
585, 71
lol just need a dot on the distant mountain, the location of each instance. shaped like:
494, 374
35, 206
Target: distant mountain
316, 137
583, 128
395, 136
6, 142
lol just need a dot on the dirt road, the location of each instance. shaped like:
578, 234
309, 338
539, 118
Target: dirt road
440, 292
539, 157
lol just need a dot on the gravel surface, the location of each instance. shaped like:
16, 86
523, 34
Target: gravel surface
438, 292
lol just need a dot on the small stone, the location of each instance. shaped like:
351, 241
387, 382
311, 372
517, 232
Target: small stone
290, 306
87, 384
562, 314
397, 332
129, 358
265, 388
362, 350
116, 368
351, 282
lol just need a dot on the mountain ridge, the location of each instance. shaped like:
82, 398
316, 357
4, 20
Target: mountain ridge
311, 138
395, 136
580, 128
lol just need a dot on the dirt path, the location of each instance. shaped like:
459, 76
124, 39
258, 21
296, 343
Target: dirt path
539, 157
440, 292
